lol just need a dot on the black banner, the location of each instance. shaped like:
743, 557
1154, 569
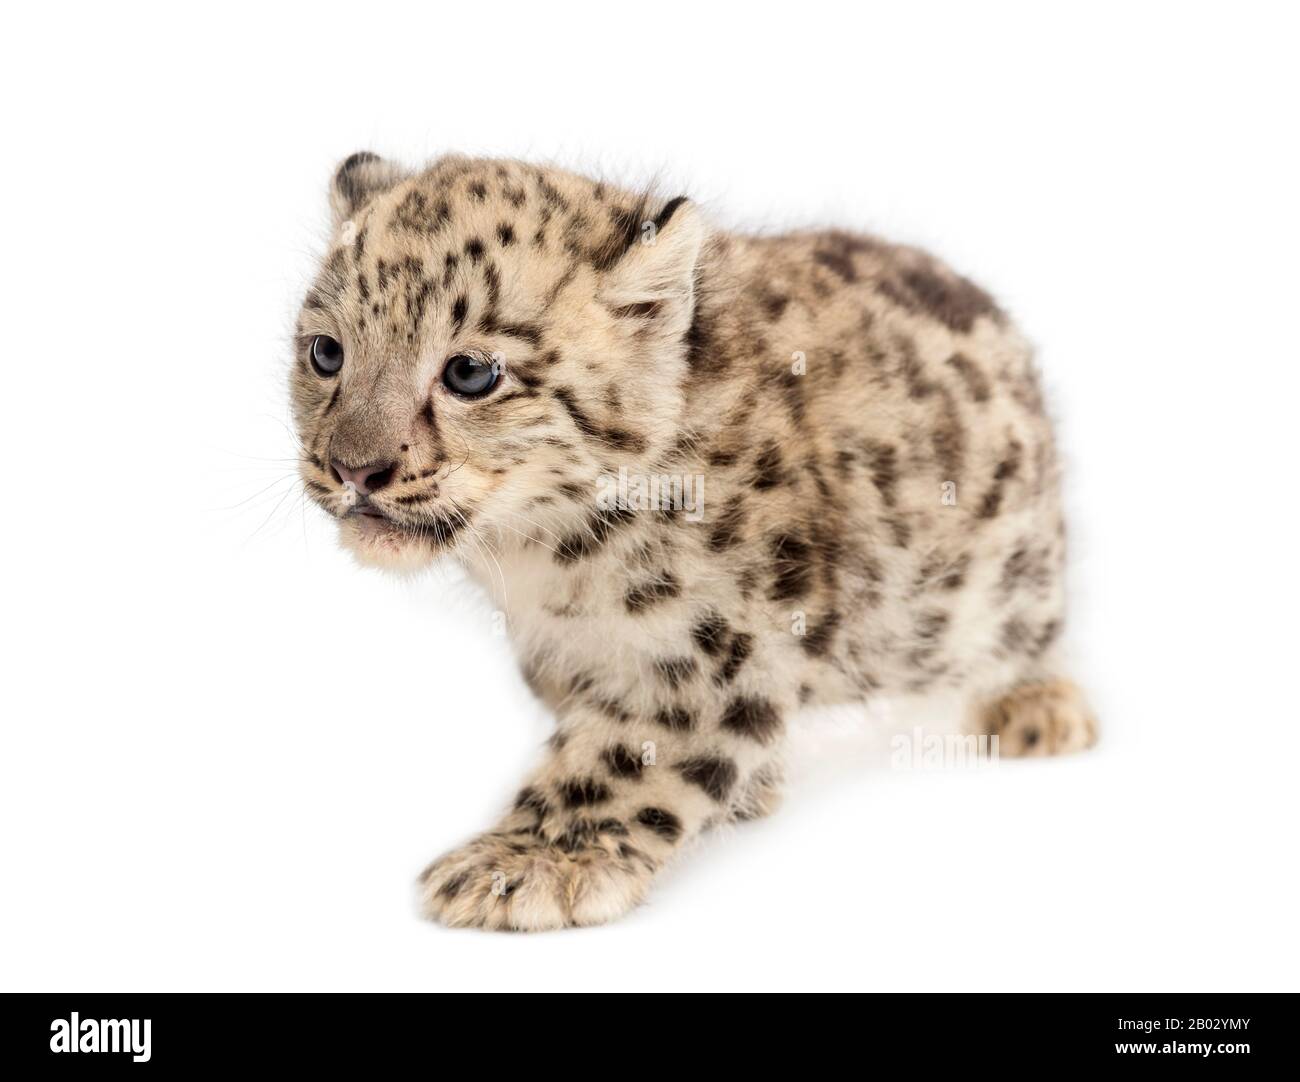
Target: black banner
135, 1033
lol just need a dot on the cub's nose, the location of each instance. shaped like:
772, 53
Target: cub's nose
367, 479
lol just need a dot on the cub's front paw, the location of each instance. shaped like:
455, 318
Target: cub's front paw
519, 882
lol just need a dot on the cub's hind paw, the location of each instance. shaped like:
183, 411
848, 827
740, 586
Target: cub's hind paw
1049, 717
518, 882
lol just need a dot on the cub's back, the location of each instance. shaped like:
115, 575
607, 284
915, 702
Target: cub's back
887, 407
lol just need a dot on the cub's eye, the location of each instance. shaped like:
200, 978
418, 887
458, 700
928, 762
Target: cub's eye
470, 376
326, 355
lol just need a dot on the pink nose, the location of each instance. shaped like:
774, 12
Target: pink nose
367, 479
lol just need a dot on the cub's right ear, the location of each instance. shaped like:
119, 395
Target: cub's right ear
357, 180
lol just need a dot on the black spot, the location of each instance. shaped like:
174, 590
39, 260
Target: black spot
791, 568
532, 381
610, 707
715, 776
458, 310
774, 304
581, 792
1048, 635
627, 222
529, 799
838, 263
948, 437
622, 762
505, 234
630, 852
792, 390
415, 214
722, 457
579, 546
816, 642
700, 343
1017, 567
711, 634
529, 332
664, 823
454, 885
991, 504
727, 530
474, 249
882, 460
574, 490
768, 472
1006, 470
676, 718
1010, 465
919, 386
954, 301
741, 647
754, 718
950, 575
652, 592
613, 437
578, 835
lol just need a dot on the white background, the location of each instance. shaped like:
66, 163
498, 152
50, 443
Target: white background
208, 779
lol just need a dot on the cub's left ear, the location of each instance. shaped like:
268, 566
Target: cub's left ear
357, 180
654, 280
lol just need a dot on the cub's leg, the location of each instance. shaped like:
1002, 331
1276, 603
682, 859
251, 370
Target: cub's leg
1047, 716
614, 801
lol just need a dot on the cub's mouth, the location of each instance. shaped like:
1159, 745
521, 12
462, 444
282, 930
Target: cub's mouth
394, 540
373, 524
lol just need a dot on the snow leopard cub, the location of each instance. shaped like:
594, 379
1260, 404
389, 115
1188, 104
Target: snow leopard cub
709, 479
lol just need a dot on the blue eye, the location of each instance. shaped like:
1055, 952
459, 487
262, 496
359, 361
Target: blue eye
326, 355
469, 376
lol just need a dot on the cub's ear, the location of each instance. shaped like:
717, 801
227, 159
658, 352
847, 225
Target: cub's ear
357, 180
654, 280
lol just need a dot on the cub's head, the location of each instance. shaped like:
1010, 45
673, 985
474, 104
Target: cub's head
484, 340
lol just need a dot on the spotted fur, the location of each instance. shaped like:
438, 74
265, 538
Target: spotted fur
880, 511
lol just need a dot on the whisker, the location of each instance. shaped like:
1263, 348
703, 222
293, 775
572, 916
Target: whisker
278, 504
259, 492
528, 537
